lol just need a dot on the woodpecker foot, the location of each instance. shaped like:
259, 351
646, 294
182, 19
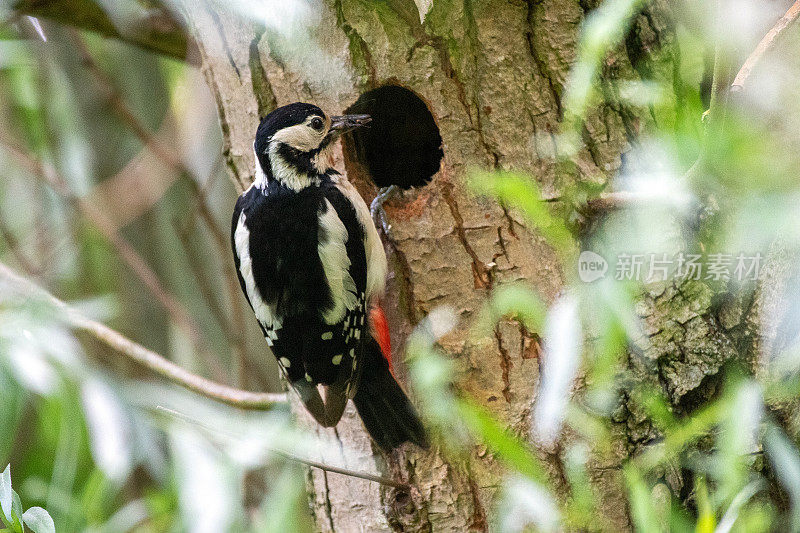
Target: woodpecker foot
377, 210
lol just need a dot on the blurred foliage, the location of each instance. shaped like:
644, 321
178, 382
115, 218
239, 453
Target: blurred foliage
100, 454
12, 515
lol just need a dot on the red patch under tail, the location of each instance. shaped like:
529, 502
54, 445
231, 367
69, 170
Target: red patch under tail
380, 330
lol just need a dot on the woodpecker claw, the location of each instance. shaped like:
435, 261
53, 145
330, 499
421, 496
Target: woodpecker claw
378, 212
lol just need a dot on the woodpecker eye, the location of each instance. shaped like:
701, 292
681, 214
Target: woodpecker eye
316, 123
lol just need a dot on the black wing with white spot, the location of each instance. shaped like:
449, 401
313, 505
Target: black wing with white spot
301, 261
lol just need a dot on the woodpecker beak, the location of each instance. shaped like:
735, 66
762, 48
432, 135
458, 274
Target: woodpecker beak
345, 123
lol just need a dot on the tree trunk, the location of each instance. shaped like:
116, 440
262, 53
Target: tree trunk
491, 73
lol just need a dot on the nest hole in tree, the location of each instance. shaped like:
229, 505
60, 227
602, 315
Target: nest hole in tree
401, 145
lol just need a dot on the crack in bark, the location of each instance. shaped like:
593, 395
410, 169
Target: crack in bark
591, 147
221, 31
472, 32
328, 506
481, 274
341, 445
628, 118
505, 364
541, 66
502, 242
532, 351
262, 89
554, 458
422, 38
437, 42
510, 220
479, 522
405, 281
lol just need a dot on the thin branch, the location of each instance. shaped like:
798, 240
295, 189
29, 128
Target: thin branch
766, 43
615, 200
126, 251
138, 353
315, 464
352, 473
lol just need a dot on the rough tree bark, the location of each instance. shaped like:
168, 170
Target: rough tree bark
491, 73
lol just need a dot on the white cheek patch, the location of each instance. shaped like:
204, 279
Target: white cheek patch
300, 136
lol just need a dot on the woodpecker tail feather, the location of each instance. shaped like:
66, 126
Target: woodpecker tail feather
384, 408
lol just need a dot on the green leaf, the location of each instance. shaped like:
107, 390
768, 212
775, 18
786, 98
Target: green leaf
786, 464
16, 513
642, 512
509, 448
517, 301
6, 499
39, 520
521, 192
706, 521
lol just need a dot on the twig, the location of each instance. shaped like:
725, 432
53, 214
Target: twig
766, 43
126, 251
136, 352
151, 25
315, 464
615, 200
352, 473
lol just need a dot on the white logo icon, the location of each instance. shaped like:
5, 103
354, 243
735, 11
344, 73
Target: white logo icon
591, 266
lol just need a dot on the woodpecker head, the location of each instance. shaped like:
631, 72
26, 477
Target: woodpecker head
293, 143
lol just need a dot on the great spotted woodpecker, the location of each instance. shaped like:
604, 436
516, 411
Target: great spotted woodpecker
311, 264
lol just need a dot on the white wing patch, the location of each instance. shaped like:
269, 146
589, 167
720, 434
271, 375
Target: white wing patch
376, 255
263, 311
336, 264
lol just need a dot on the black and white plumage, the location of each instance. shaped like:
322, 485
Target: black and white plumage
310, 261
